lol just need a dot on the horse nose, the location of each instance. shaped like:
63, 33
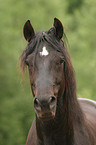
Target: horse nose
45, 104
52, 102
37, 104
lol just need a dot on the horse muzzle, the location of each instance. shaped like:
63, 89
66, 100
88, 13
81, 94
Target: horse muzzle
45, 107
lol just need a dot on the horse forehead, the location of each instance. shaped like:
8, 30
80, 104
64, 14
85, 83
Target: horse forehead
44, 51
43, 56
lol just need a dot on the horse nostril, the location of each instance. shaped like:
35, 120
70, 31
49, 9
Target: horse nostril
52, 102
52, 99
37, 104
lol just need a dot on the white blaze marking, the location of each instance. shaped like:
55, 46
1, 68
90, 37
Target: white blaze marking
44, 52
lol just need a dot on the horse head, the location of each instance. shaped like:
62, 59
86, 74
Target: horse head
45, 58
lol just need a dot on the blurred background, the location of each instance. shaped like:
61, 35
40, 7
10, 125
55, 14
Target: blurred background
79, 20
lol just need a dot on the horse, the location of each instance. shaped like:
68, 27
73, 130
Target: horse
60, 117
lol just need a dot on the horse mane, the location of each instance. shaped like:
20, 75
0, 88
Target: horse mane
73, 111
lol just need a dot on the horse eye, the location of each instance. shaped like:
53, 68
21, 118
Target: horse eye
60, 61
26, 62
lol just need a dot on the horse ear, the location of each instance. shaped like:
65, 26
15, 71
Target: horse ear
28, 31
59, 28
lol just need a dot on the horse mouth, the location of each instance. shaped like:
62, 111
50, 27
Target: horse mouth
46, 116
